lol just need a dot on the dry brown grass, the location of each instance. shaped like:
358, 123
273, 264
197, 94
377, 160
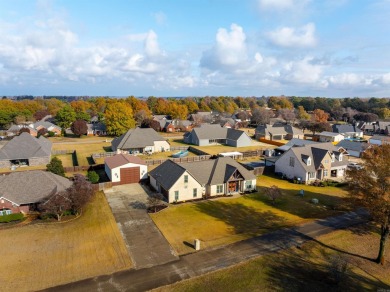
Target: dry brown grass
38, 256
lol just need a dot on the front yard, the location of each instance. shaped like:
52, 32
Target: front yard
304, 269
227, 220
38, 256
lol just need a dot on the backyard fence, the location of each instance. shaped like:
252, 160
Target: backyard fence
179, 148
179, 160
271, 142
253, 153
197, 151
62, 152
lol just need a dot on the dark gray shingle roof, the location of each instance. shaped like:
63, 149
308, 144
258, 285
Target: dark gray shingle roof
136, 138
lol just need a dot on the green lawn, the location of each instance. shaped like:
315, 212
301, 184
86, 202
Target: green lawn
84, 149
304, 269
67, 160
227, 220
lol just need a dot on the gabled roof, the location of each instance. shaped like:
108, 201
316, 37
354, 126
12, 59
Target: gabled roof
278, 129
328, 134
354, 146
380, 138
215, 131
345, 129
46, 125
26, 146
27, 187
122, 159
208, 172
136, 138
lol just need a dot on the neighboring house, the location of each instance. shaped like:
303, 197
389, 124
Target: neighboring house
215, 134
125, 169
14, 130
196, 180
330, 137
278, 132
293, 142
355, 149
383, 128
367, 128
26, 150
21, 191
96, 129
319, 161
140, 140
348, 131
182, 125
50, 127
379, 140
202, 117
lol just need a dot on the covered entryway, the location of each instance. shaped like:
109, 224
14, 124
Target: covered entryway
129, 175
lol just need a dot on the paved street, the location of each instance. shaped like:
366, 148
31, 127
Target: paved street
145, 243
213, 259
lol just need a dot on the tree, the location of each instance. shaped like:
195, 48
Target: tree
79, 127
55, 166
261, 116
40, 114
93, 177
369, 187
155, 200
140, 116
118, 118
302, 114
42, 132
24, 130
58, 204
287, 114
80, 193
273, 193
65, 117
318, 127
320, 116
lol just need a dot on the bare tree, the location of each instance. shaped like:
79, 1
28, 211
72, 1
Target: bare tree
57, 205
287, 114
155, 200
80, 193
261, 116
273, 193
370, 188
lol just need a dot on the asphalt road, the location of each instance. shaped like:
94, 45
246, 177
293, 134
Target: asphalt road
205, 261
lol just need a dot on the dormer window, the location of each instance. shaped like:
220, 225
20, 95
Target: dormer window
333, 157
341, 157
309, 161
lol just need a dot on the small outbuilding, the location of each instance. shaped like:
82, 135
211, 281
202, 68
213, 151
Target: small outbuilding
125, 169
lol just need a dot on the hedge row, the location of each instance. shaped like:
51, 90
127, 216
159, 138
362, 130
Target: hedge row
11, 217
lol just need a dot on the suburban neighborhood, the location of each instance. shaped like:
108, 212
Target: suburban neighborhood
205, 146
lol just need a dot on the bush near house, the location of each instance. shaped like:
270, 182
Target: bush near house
11, 217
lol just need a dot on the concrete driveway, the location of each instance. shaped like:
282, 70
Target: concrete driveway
145, 243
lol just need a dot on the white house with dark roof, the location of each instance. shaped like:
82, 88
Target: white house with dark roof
330, 137
213, 134
319, 161
21, 191
125, 169
140, 140
278, 132
196, 180
348, 131
26, 149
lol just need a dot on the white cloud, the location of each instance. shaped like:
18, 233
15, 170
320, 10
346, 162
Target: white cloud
292, 37
152, 48
302, 71
160, 17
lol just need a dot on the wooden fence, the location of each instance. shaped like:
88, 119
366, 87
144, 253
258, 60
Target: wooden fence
197, 151
276, 143
103, 154
179, 148
252, 153
179, 160
62, 152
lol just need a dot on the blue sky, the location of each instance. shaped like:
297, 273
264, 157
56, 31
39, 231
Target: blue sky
333, 48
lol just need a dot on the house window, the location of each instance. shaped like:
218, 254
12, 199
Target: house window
312, 175
332, 157
176, 195
309, 161
186, 179
1, 213
326, 161
248, 184
219, 189
292, 161
195, 193
325, 172
341, 157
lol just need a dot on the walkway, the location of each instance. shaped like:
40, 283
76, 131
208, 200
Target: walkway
210, 260
146, 245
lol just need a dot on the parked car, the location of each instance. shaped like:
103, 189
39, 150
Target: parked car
354, 165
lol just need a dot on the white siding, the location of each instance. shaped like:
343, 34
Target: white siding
185, 189
115, 173
160, 146
283, 165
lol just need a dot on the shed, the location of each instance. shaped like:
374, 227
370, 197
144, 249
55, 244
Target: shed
125, 169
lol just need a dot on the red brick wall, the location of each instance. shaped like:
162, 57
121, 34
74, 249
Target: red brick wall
4, 204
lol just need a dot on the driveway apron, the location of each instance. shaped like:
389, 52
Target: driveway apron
145, 243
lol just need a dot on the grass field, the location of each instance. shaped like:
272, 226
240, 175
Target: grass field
67, 160
84, 149
304, 269
227, 220
38, 256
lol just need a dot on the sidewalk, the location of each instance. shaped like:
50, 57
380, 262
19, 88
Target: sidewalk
210, 260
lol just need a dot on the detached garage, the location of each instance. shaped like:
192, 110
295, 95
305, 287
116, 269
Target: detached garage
125, 169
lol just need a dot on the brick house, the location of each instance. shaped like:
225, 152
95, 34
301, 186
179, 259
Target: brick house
21, 191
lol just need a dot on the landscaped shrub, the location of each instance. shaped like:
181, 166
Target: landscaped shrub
93, 177
11, 217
